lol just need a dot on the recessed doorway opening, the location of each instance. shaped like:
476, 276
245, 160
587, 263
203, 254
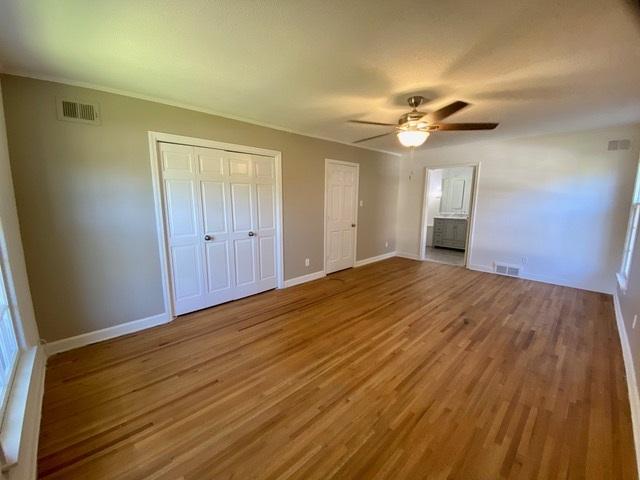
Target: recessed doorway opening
447, 214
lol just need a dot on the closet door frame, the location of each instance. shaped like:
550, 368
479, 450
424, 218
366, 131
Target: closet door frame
162, 235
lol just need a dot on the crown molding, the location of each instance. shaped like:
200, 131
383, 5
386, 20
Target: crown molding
164, 101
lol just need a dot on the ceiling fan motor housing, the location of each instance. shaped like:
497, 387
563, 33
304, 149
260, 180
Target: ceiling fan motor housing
413, 116
416, 101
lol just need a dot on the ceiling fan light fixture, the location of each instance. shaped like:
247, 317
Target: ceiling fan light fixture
412, 138
413, 128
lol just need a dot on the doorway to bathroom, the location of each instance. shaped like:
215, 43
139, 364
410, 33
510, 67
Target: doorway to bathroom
447, 214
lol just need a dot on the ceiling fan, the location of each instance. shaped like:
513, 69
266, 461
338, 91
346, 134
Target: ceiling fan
414, 128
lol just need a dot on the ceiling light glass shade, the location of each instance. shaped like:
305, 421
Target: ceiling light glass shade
412, 138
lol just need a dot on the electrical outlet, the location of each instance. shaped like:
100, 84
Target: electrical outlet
635, 319
386, 244
362, 203
525, 260
306, 262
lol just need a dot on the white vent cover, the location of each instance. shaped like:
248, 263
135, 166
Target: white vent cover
506, 269
75, 111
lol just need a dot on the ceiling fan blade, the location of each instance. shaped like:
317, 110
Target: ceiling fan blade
444, 112
440, 127
375, 136
373, 123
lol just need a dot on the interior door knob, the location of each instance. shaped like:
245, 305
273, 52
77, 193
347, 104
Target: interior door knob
353, 225
252, 234
208, 237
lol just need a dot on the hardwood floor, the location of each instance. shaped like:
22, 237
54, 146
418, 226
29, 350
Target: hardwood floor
396, 370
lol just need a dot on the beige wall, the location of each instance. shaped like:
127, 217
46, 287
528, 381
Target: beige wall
14, 254
553, 204
85, 200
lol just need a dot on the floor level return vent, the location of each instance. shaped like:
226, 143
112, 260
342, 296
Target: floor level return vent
506, 269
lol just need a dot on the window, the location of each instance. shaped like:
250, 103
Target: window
15, 374
8, 340
632, 231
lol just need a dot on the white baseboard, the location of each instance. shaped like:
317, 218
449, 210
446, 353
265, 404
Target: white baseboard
411, 256
304, 279
320, 274
481, 268
105, 334
377, 258
632, 380
21, 427
540, 278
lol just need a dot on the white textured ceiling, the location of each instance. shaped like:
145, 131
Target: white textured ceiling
535, 66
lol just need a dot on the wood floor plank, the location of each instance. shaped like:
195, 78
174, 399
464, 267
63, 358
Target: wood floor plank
396, 370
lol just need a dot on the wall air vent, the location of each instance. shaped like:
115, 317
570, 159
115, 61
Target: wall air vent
82, 112
506, 269
623, 144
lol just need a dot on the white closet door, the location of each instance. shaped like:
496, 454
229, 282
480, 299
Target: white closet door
264, 170
220, 216
243, 221
341, 203
213, 177
183, 226
252, 184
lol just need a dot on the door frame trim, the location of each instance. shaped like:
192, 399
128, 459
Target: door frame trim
327, 162
156, 181
472, 210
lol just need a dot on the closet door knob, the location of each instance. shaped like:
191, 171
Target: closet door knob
208, 237
252, 234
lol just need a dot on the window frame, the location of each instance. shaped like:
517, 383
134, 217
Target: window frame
632, 233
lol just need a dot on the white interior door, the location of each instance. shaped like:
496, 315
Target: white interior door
220, 223
341, 197
212, 175
264, 174
253, 229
